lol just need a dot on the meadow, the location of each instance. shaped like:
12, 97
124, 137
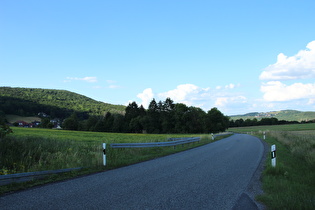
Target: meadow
32, 149
291, 184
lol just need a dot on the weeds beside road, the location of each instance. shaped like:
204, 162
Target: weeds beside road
291, 184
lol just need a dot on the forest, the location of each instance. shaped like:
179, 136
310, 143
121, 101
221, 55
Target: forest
160, 117
55, 103
77, 112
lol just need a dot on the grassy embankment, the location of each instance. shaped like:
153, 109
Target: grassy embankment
291, 184
28, 150
13, 118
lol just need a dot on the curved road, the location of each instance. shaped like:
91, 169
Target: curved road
213, 176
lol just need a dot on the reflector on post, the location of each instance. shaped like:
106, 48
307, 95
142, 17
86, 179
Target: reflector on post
104, 154
273, 155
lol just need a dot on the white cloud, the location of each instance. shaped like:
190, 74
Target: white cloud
278, 91
188, 94
230, 86
87, 79
114, 86
224, 101
111, 84
299, 66
225, 98
311, 101
146, 96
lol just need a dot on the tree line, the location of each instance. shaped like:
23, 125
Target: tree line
160, 117
263, 121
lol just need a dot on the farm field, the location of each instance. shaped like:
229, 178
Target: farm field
99, 137
14, 118
291, 184
36, 149
290, 127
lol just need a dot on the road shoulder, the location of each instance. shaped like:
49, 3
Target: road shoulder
254, 188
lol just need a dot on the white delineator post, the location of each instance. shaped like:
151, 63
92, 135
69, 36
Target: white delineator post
273, 155
264, 135
212, 136
104, 154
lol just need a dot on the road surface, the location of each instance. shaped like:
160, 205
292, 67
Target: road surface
214, 176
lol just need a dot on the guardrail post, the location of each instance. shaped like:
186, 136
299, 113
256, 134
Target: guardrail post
273, 155
104, 154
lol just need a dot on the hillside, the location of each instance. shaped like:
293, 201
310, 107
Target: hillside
56, 103
288, 115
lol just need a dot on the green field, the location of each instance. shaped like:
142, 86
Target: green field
38, 149
99, 137
35, 149
13, 118
291, 127
291, 184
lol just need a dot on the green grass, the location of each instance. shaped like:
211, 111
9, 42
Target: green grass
30, 149
293, 127
99, 137
14, 118
291, 184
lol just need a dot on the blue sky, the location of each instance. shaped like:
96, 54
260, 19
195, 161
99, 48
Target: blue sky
238, 56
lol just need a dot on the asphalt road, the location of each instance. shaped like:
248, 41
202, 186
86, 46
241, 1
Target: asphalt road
214, 176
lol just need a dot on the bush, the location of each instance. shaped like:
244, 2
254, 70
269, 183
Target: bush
4, 130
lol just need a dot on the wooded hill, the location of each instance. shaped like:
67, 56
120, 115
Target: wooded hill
287, 115
77, 112
55, 103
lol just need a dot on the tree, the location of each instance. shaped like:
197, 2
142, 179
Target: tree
131, 111
90, 123
71, 123
108, 122
118, 124
195, 120
4, 130
134, 114
45, 123
180, 112
152, 120
216, 121
2, 117
167, 116
135, 125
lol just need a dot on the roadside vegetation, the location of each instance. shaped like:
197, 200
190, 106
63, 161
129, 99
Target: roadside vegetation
29, 150
291, 184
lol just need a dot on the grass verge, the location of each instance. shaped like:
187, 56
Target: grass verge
29, 150
291, 184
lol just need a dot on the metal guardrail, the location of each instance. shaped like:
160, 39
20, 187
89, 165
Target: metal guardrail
222, 134
29, 176
156, 144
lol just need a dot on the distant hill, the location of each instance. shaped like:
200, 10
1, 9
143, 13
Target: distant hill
288, 115
55, 103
